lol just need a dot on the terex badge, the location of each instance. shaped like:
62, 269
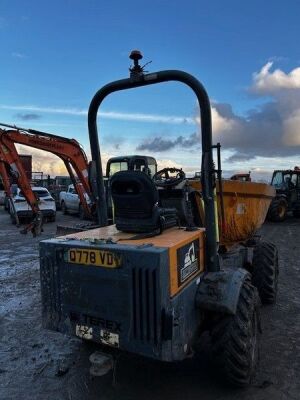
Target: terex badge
187, 261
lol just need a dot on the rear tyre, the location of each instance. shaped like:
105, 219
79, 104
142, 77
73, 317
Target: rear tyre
278, 210
265, 271
64, 208
235, 339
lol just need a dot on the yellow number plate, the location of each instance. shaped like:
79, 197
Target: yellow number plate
99, 258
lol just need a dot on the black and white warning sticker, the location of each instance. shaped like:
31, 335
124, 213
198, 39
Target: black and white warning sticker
187, 261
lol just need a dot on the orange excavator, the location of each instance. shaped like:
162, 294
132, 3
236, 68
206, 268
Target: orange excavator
68, 150
5, 178
10, 157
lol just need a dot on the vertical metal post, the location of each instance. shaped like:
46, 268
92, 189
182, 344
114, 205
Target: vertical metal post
221, 196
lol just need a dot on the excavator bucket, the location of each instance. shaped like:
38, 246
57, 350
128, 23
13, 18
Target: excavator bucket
35, 226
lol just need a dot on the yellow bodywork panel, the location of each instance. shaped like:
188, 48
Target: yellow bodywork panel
245, 207
186, 250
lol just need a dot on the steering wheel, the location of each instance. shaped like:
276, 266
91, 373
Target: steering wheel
163, 179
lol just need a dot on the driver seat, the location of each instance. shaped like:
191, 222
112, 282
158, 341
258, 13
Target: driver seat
136, 209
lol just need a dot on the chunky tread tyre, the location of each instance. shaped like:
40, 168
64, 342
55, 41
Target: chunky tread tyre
235, 345
278, 210
265, 271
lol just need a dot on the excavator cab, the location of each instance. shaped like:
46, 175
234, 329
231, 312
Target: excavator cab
131, 163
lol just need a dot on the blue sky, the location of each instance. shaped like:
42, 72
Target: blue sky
55, 55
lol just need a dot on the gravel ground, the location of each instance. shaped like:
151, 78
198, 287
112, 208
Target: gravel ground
39, 364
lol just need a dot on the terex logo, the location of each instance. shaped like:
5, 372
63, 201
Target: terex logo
188, 261
112, 326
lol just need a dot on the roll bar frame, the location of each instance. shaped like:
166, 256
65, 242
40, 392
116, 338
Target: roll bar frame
139, 79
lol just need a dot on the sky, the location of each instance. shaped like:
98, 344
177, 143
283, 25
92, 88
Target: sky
56, 55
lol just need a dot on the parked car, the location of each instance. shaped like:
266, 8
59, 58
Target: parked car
70, 202
23, 210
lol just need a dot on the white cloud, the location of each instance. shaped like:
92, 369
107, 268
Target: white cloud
291, 127
43, 161
165, 163
18, 55
139, 117
220, 123
49, 110
272, 130
48, 163
266, 81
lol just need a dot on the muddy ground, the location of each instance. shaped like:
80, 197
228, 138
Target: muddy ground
38, 364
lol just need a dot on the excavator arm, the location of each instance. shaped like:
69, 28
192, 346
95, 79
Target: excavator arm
11, 157
4, 175
69, 150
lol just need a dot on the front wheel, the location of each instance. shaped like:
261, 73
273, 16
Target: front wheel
64, 208
235, 338
278, 210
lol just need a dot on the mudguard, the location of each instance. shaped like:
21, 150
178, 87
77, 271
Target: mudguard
219, 291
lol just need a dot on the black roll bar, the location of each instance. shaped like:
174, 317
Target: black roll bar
207, 176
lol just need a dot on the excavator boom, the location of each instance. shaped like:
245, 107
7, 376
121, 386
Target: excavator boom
5, 177
68, 150
11, 157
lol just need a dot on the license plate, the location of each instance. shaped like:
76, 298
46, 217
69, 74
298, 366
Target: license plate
98, 258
